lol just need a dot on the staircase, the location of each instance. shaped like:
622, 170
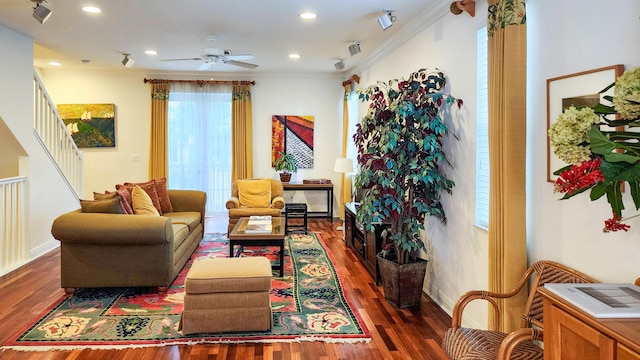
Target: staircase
52, 133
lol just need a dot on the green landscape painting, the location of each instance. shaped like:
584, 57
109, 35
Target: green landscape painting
90, 125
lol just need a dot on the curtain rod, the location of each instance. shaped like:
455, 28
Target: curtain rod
200, 82
353, 78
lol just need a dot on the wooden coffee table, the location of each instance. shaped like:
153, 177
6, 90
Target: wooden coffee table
275, 238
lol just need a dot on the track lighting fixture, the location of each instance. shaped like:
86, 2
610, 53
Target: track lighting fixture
40, 12
387, 19
127, 61
354, 48
339, 65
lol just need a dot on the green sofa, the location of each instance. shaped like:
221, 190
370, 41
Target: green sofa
118, 250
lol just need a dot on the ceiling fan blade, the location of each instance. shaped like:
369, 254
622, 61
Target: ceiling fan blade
242, 64
205, 66
240, 57
195, 58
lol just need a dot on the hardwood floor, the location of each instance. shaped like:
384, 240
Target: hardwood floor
396, 334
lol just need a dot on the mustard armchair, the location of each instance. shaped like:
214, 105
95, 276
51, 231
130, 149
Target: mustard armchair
254, 197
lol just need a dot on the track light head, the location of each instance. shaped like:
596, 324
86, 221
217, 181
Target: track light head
354, 48
339, 65
387, 19
127, 61
40, 12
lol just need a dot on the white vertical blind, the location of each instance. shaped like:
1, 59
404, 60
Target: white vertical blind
482, 134
200, 141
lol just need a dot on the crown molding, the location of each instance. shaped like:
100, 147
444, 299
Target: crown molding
427, 18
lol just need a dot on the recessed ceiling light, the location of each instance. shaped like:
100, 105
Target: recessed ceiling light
151, 52
54, 63
294, 56
308, 15
91, 9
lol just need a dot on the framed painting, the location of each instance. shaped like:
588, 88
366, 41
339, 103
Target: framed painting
293, 134
578, 89
90, 125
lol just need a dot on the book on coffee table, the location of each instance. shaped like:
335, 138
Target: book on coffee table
258, 229
259, 219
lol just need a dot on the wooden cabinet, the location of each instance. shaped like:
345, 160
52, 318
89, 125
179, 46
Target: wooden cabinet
572, 334
365, 244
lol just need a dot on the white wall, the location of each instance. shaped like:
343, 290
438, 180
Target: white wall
106, 167
566, 37
16, 110
317, 95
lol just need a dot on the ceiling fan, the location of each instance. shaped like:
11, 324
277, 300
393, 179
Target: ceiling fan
212, 55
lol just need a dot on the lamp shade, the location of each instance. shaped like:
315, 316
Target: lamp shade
343, 165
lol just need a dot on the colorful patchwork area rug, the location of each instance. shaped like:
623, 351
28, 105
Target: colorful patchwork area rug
308, 303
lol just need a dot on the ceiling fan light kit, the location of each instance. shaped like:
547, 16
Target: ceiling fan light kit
212, 55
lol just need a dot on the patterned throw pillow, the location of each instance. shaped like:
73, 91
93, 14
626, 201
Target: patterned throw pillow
150, 188
142, 204
108, 206
163, 196
125, 200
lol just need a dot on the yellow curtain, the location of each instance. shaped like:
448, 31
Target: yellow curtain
242, 130
158, 159
506, 25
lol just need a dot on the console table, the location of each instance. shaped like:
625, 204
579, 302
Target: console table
572, 334
365, 244
328, 188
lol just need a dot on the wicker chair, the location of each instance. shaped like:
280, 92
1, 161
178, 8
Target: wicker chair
467, 343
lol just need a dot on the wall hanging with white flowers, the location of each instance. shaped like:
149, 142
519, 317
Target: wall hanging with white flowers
601, 144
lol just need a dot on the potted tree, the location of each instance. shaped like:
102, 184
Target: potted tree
400, 156
286, 164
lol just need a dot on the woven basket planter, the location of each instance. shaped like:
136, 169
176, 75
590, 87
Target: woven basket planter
402, 284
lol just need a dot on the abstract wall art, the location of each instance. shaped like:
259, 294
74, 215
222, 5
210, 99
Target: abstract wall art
293, 134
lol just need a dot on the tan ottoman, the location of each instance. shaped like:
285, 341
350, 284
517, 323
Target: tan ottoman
227, 294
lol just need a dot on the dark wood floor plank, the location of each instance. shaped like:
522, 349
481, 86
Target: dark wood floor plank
396, 334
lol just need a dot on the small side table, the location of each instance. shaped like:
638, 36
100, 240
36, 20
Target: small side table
295, 211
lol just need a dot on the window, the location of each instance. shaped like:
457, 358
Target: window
199, 137
482, 134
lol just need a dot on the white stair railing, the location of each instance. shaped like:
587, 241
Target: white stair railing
14, 249
52, 133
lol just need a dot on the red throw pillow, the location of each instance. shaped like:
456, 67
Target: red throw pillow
150, 188
163, 195
125, 200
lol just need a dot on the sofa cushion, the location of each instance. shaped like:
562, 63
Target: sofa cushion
163, 195
106, 196
126, 208
110, 206
254, 193
180, 234
142, 204
189, 218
